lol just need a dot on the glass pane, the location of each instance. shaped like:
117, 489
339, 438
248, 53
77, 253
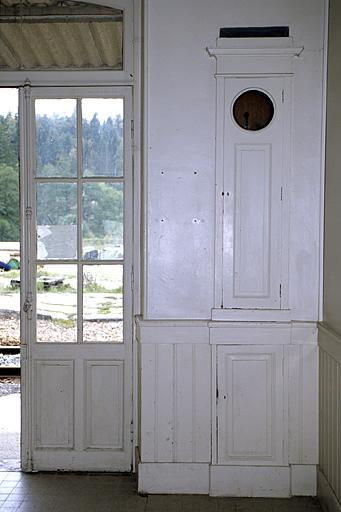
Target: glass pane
103, 303
57, 303
56, 137
253, 110
56, 221
9, 222
60, 36
102, 121
102, 221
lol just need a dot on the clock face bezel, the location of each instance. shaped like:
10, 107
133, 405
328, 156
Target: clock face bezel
253, 110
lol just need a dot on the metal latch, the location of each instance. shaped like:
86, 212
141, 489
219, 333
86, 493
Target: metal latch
27, 307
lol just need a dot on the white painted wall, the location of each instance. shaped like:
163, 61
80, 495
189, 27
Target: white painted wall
180, 158
180, 347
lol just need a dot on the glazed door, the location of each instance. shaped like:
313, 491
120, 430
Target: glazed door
77, 270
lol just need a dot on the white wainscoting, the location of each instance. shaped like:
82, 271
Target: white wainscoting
181, 411
176, 403
329, 478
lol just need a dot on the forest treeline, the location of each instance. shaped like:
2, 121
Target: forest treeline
56, 145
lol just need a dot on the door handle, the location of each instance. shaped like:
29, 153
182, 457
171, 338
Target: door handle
27, 308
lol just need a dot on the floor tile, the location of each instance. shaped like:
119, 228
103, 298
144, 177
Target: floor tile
73, 492
199, 504
164, 503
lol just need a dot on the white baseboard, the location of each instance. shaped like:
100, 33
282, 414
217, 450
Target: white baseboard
326, 495
173, 478
303, 480
237, 481
247, 481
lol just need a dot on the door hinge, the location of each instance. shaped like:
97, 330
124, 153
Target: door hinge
132, 128
283, 96
217, 395
132, 280
280, 291
131, 431
28, 212
281, 193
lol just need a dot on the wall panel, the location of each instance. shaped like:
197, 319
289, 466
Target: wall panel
176, 403
330, 409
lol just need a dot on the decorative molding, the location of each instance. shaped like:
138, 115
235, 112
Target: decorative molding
253, 60
172, 331
225, 333
251, 315
250, 333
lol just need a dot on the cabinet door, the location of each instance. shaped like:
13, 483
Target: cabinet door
256, 158
250, 405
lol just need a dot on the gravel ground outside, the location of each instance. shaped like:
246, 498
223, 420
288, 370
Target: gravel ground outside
54, 331
9, 386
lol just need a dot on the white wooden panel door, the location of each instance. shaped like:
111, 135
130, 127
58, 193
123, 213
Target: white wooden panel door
77, 234
255, 167
250, 405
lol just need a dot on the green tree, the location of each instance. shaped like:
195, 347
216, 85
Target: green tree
9, 203
9, 140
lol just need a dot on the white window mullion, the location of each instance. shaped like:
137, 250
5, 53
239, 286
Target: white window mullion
79, 224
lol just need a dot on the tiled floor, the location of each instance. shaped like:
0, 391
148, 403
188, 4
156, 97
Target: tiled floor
58, 492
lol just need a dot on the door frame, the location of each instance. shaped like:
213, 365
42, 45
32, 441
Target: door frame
131, 76
29, 347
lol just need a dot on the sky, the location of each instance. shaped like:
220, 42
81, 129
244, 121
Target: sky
103, 107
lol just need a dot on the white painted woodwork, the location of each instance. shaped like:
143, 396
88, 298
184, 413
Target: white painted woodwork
255, 482
175, 403
302, 367
250, 407
173, 478
79, 412
330, 409
177, 362
179, 256
273, 423
252, 175
303, 480
104, 404
54, 393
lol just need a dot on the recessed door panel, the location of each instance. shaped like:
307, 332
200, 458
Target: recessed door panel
252, 225
250, 405
104, 404
255, 172
55, 399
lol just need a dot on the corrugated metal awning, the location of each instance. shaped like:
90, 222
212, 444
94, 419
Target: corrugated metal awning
59, 35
